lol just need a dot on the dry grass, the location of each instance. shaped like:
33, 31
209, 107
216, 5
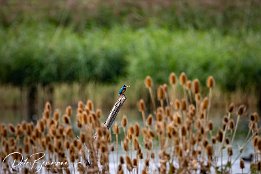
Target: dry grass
176, 137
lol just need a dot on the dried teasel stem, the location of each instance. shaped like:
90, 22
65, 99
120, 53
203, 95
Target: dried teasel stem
241, 110
210, 85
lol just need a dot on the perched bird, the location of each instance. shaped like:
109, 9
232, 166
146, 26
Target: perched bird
123, 89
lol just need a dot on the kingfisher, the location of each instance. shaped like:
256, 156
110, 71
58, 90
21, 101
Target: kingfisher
123, 89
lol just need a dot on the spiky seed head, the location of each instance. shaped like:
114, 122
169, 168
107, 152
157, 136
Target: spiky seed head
196, 88
197, 98
148, 82
231, 107
213, 140
183, 105
141, 105
165, 88
116, 128
188, 85
259, 144
121, 160
149, 120
89, 105
255, 141
135, 162
172, 79
177, 104
56, 115
159, 116
183, 131
182, 78
160, 93
210, 126
210, 82
209, 149
66, 119
69, 111
227, 141
241, 109
205, 104
220, 135
124, 121
137, 129
12, 128
242, 164
98, 113
230, 151
231, 124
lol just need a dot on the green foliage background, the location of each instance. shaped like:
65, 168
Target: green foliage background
46, 42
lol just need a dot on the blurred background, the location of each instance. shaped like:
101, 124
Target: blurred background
64, 51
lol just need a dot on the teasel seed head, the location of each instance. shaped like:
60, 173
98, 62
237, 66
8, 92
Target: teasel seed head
149, 120
89, 105
231, 124
121, 160
66, 119
209, 150
213, 139
183, 105
183, 131
255, 141
188, 85
160, 93
204, 104
177, 104
165, 88
116, 128
230, 151
56, 115
210, 126
220, 135
128, 161
141, 105
69, 111
205, 143
137, 129
241, 110
148, 82
254, 117
259, 144
11, 128
172, 78
152, 155
159, 116
197, 98
124, 121
98, 113
196, 88
125, 145
210, 82
231, 107
242, 164
182, 78
47, 106
120, 170
135, 162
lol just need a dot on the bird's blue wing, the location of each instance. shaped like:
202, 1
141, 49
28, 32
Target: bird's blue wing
120, 91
